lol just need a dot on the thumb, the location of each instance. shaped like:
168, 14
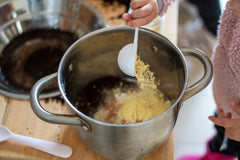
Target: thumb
235, 106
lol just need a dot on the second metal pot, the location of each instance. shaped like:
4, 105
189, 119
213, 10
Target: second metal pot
73, 17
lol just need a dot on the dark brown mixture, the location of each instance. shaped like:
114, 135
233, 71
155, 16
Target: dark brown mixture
96, 93
33, 55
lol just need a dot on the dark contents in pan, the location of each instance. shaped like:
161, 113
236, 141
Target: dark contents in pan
97, 92
33, 55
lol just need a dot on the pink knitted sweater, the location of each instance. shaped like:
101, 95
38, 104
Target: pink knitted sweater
226, 62
163, 6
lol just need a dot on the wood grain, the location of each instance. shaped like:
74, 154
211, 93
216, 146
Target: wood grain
20, 119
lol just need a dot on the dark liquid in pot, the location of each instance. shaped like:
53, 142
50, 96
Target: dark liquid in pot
94, 95
33, 55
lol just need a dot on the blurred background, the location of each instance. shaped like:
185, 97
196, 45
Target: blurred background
193, 128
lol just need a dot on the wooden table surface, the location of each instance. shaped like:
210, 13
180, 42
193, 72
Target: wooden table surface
18, 116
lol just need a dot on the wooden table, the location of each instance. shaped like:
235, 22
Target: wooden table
18, 116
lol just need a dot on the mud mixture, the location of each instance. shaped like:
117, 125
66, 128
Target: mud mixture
135, 105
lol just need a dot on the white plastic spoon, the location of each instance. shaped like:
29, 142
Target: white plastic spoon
53, 148
127, 56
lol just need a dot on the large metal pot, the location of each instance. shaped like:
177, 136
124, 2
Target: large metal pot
21, 16
94, 56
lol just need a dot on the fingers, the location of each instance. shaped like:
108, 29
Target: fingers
220, 112
229, 115
142, 16
135, 4
231, 125
127, 17
143, 12
139, 22
235, 106
222, 121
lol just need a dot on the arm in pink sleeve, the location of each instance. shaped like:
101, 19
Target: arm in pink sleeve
229, 37
163, 6
234, 55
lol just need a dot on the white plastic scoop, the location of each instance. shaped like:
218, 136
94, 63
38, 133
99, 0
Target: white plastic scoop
127, 56
53, 148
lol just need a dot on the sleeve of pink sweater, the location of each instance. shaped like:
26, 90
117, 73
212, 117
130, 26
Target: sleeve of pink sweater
163, 6
229, 40
226, 62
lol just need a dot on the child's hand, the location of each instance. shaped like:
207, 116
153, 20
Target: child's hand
235, 106
232, 126
143, 12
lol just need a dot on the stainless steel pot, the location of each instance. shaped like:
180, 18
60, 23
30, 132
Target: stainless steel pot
20, 16
94, 56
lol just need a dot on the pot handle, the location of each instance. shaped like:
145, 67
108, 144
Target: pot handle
208, 72
52, 117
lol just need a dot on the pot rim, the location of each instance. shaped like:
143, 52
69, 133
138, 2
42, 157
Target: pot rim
80, 114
